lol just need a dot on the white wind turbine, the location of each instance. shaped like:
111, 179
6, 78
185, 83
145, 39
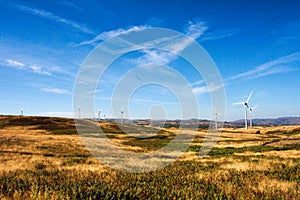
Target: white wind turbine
216, 120
215, 113
99, 114
246, 106
122, 115
251, 109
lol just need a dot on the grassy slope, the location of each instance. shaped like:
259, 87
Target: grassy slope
43, 158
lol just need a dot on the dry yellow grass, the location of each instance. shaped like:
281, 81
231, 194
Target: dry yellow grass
25, 144
25, 147
275, 184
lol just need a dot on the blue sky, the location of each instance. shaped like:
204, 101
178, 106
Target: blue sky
255, 45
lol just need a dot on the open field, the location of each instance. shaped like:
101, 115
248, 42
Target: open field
44, 158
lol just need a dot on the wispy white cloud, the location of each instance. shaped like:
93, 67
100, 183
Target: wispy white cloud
94, 91
194, 30
219, 34
72, 5
156, 22
22, 66
14, 63
113, 33
56, 18
153, 56
205, 89
146, 101
56, 90
39, 70
29, 67
200, 82
275, 66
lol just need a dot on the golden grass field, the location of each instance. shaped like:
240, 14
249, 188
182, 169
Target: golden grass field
44, 158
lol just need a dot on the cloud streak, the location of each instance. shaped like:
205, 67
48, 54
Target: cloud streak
205, 89
22, 66
194, 30
56, 18
278, 65
197, 30
72, 5
56, 90
13, 63
39, 70
113, 33
219, 34
146, 101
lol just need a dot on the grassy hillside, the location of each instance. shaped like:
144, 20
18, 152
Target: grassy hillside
44, 158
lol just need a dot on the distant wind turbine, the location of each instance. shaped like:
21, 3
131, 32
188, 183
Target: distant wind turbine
246, 106
216, 120
251, 109
122, 113
99, 114
216, 114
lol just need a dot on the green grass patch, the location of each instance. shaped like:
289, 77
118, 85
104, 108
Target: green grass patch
289, 133
151, 143
228, 151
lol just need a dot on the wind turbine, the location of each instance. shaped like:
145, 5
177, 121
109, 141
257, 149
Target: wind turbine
246, 106
122, 112
99, 114
216, 119
251, 109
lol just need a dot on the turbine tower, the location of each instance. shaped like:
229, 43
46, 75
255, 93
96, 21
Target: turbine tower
99, 114
246, 106
122, 112
216, 120
251, 109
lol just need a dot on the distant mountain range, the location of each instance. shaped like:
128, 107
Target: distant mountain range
232, 124
191, 123
272, 121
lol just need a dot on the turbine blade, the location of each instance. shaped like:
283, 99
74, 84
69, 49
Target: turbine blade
249, 97
254, 107
239, 103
